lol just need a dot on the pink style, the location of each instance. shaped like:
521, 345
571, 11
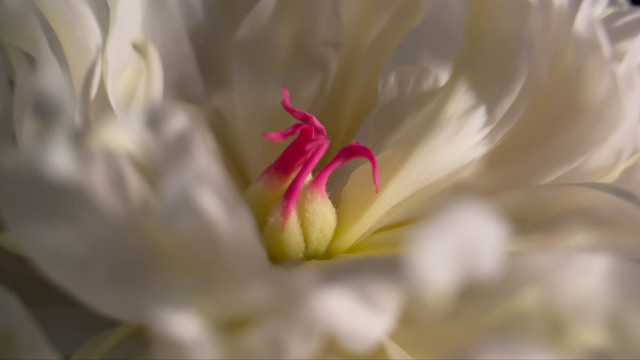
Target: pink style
305, 152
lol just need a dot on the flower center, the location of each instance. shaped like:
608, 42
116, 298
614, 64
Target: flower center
292, 206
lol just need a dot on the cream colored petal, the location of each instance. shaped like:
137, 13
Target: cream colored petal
132, 67
20, 335
445, 122
420, 159
576, 122
160, 22
421, 64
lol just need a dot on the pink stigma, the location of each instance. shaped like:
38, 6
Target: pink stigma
300, 115
350, 152
305, 152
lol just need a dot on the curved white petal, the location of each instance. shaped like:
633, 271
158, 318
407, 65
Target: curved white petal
125, 72
168, 68
413, 166
461, 111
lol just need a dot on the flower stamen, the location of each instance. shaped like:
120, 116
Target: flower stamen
291, 206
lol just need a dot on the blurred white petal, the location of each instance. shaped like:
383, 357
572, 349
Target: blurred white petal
359, 301
119, 193
577, 217
463, 244
96, 233
180, 334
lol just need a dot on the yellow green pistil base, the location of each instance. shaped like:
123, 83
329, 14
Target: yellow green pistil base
292, 208
306, 233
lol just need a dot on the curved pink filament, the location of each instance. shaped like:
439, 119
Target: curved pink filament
293, 156
300, 115
350, 152
284, 134
291, 195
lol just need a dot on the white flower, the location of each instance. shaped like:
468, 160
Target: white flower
495, 127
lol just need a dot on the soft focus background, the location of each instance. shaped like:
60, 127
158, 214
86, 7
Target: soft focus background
506, 225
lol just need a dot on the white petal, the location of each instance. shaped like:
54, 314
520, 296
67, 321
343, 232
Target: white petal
572, 120
20, 335
200, 203
99, 257
588, 216
359, 302
463, 244
413, 166
133, 74
122, 228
